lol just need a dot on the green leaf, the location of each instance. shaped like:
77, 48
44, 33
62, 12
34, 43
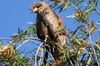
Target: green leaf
71, 16
30, 23
95, 3
65, 7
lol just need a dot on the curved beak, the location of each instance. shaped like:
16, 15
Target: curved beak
33, 9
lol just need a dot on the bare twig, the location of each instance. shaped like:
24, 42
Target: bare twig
5, 38
41, 58
25, 42
32, 38
89, 60
25, 38
97, 11
22, 44
34, 42
91, 53
37, 54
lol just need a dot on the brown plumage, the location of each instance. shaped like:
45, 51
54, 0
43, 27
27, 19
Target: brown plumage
48, 23
44, 27
42, 31
41, 28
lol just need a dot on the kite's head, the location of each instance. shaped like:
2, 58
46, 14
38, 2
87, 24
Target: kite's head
38, 7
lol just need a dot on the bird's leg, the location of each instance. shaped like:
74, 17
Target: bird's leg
45, 57
46, 53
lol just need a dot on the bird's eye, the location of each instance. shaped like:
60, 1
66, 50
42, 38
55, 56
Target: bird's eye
38, 6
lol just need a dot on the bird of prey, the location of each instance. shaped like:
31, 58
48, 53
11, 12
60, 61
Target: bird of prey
42, 31
47, 21
49, 24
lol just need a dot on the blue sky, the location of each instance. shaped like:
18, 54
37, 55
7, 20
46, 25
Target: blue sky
14, 14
